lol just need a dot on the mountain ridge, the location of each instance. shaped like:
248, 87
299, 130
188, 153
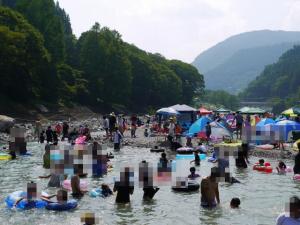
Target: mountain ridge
210, 61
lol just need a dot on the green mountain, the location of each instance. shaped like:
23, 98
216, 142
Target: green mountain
233, 63
279, 82
42, 62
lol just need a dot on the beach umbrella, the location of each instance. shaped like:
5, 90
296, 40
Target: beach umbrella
204, 111
264, 122
222, 110
183, 108
218, 131
294, 111
284, 127
199, 125
167, 111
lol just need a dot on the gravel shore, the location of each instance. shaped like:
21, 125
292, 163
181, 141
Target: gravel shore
140, 141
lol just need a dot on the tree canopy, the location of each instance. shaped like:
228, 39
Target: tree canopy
98, 69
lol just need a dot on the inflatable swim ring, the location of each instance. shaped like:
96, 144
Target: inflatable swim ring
71, 204
192, 186
211, 159
98, 193
265, 168
156, 149
265, 147
4, 156
295, 145
202, 156
296, 177
80, 140
288, 169
185, 150
24, 204
83, 185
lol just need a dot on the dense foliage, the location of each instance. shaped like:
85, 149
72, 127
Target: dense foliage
279, 82
43, 62
218, 99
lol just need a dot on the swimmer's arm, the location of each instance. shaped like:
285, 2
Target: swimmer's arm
48, 176
217, 194
16, 202
47, 199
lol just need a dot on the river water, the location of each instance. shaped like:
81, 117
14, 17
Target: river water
263, 196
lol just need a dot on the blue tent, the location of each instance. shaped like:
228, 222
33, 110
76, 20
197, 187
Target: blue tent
264, 122
284, 127
198, 126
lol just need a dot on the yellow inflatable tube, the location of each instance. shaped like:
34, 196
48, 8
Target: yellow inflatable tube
295, 145
4, 156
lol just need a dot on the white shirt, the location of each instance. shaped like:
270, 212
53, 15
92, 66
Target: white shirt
117, 137
106, 123
283, 219
172, 129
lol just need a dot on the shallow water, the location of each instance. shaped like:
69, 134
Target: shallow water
263, 196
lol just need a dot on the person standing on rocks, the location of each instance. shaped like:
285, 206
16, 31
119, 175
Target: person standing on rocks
65, 131
38, 129
112, 123
239, 124
172, 131
49, 134
106, 125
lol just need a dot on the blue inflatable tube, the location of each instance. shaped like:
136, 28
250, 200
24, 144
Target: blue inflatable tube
211, 159
95, 193
190, 157
24, 204
98, 192
71, 204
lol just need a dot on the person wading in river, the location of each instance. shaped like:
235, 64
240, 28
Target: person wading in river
210, 190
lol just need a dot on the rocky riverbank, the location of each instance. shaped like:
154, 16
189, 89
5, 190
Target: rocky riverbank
93, 121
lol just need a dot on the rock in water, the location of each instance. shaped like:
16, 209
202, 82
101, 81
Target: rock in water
6, 123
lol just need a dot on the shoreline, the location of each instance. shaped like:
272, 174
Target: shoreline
93, 121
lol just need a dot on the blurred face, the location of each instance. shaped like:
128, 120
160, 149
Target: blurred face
31, 191
294, 211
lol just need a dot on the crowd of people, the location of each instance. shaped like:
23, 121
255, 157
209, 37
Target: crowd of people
114, 127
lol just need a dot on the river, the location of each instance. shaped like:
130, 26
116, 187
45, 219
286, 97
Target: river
263, 196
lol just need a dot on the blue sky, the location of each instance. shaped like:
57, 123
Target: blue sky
182, 29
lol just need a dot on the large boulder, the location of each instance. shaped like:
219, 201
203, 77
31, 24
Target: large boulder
6, 123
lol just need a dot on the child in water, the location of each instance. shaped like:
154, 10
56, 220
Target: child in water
261, 162
281, 168
197, 159
193, 174
75, 184
106, 191
146, 134
42, 137
235, 203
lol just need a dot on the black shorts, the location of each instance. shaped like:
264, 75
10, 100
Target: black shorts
239, 126
117, 146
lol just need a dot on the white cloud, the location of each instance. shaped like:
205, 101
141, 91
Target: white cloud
182, 28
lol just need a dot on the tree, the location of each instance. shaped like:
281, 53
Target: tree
21, 55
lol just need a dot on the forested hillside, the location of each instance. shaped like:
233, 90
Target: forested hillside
41, 61
244, 66
233, 63
278, 82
